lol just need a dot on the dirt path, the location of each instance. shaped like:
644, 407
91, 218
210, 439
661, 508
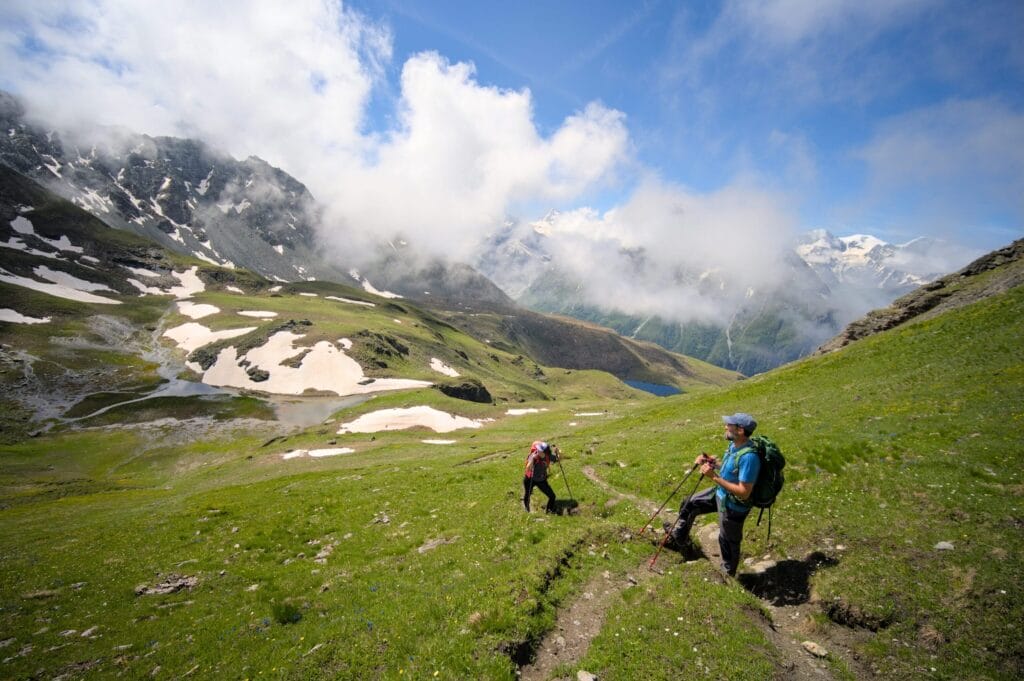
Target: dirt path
783, 587
578, 624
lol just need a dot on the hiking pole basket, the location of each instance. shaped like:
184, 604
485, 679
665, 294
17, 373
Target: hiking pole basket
678, 517
660, 508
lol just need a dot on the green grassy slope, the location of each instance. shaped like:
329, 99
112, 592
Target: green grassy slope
429, 568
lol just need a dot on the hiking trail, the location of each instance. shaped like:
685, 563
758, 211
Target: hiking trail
782, 586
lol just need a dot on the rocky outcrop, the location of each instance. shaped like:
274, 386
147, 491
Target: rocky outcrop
470, 389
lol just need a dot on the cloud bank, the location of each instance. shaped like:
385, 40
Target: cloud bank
424, 151
294, 84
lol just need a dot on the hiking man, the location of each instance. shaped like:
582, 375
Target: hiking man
734, 480
541, 456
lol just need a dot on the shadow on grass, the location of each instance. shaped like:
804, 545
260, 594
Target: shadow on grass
565, 507
788, 582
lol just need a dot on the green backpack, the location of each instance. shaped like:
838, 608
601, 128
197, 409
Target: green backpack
770, 479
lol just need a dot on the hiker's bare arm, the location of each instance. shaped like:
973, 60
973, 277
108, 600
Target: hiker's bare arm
740, 490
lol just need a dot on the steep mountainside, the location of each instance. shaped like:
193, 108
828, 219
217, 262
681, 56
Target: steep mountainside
196, 201
179, 193
92, 316
994, 273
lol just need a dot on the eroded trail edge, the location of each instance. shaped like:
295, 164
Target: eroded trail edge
782, 586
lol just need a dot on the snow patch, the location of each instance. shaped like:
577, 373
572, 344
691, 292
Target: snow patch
317, 453
442, 368
56, 290
520, 412
18, 245
23, 225
142, 272
401, 419
196, 310
15, 317
260, 314
350, 301
191, 336
324, 367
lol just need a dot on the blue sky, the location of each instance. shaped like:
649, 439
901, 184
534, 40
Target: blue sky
802, 97
749, 121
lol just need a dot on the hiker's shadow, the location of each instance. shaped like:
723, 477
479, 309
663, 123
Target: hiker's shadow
565, 507
787, 582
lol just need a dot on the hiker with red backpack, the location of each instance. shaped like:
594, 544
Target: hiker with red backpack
541, 456
734, 482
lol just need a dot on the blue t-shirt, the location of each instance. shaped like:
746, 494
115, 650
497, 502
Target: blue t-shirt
749, 467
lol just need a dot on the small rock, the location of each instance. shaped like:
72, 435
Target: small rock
560, 641
583, 675
90, 632
6, 642
172, 584
944, 546
814, 649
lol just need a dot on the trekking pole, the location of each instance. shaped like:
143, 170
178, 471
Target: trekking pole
571, 497
669, 533
648, 523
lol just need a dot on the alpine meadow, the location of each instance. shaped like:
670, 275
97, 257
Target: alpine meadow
198, 535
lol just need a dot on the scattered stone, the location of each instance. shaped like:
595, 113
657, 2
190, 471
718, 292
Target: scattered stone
814, 649
6, 642
78, 585
325, 551
763, 566
434, 543
312, 650
172, 584
90, 632
252, 587
560, 642
43, 593
944, 546
583, 675
381, 518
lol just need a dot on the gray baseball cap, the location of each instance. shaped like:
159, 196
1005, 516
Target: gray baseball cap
744, 421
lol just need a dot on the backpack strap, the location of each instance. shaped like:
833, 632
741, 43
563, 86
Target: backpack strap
737, 455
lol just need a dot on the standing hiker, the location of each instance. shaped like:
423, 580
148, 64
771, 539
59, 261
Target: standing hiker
734, 480
541, 456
